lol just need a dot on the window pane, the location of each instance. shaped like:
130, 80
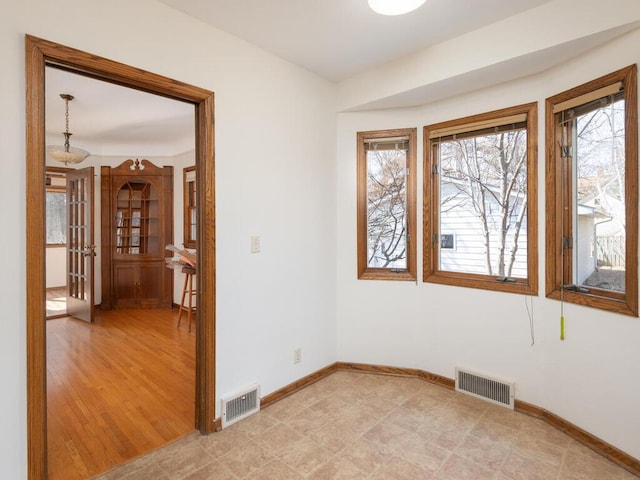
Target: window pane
193, 231
189, 207
56, 205
599, 210
483, 204
386, 209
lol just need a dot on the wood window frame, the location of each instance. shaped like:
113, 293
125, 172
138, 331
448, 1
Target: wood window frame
190, 204
40, 53
364, 271
556, 265
479, 123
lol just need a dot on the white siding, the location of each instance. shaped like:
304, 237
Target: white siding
469, 254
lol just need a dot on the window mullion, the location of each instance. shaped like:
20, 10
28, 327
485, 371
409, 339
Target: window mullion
569, 208
435, 202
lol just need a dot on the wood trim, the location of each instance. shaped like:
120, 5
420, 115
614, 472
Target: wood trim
186, 199
217, 424
35, 293
365, 272
606, 91
590, 441
626, 303
206, 258
297, 385
461, 126
398, 372
430, 207
38, 54
106, 247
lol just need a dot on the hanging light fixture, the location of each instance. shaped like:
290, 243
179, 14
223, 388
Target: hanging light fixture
66, 153
394, 7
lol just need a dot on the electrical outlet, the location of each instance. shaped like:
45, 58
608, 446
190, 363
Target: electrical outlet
255, 244
297, 355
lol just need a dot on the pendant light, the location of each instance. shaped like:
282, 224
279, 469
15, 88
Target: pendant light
66, 153
394, 7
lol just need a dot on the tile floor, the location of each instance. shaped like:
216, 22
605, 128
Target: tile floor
360, 426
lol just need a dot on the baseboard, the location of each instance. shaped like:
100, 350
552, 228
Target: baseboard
297, 385
288, 390
398, 372
590, 441
217, 424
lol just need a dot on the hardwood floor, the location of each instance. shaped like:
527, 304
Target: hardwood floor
117, 388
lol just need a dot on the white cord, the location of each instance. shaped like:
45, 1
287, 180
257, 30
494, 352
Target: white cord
530, 315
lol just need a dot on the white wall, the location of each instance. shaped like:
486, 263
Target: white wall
56, 267
513, 48
590, 379
275, 176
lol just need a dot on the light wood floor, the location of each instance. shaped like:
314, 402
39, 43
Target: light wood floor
117, 389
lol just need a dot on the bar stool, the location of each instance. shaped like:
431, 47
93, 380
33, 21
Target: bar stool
188, 292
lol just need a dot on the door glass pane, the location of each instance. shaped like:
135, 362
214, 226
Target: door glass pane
56, 204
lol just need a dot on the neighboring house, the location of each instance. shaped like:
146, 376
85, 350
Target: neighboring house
462, 240
601, 242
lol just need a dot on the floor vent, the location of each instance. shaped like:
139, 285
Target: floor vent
487, 388
240, 405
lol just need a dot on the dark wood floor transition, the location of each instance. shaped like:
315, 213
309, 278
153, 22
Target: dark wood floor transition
117, 389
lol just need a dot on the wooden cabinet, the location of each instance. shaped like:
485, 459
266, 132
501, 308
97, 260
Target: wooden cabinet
137, 224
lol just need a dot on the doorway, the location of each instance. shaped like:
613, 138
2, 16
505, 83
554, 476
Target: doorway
123, 385
56, 241
39, 54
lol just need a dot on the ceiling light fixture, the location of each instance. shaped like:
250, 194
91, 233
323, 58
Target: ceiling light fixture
66, 153
394, 7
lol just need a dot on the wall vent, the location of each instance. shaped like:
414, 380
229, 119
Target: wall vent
487, 388
240, 405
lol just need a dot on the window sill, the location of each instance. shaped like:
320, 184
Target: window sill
483, 282
386, 274
617, 304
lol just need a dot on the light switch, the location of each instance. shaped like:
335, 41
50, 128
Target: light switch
255, 244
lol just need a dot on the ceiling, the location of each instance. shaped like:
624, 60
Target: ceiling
108, 119
340, 38
336, 39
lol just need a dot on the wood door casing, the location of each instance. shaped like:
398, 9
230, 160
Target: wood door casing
40, 53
